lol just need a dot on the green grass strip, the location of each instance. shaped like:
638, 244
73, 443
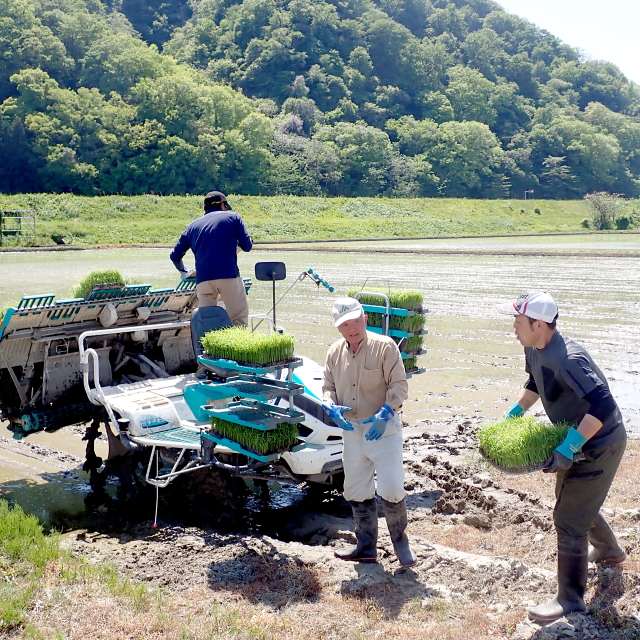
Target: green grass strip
25, 551
97, 276
398, 298
521, 442
241, 345
283, 437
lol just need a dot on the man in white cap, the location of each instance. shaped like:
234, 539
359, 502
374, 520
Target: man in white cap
215, 239
364, 387
572, 389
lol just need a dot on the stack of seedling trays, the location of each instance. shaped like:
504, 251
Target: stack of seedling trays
251, 426
405, 318
520, 445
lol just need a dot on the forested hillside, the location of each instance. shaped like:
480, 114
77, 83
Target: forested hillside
351, 97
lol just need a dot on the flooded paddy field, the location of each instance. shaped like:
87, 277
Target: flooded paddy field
473, 365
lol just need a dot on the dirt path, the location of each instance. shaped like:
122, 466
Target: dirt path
484, 540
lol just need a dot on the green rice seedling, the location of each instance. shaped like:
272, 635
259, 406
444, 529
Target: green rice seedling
414, 343
283, 437
243, 346
95, 277
3, 311
410, 363
412, 323
398, 298
520, 442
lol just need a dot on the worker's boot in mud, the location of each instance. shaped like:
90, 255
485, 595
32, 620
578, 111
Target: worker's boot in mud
396, 515
572, 581
365, 516
603, 546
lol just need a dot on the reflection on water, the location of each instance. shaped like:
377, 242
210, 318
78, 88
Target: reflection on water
473, 363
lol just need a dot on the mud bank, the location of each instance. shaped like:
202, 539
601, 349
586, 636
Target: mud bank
484, 540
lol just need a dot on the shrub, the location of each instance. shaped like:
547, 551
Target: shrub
536, 210
605, 208
243, 346
586, 224
623, 223
520, 442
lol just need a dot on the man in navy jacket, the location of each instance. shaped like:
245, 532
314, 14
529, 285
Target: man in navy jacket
215, 239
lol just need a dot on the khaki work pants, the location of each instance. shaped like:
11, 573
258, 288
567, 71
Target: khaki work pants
232, 293
362, 459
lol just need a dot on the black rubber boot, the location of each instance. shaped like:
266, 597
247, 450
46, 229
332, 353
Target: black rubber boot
365, 516
396, 515
603, 546
572, 581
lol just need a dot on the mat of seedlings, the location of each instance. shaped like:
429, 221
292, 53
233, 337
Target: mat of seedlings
520, 445
243, 346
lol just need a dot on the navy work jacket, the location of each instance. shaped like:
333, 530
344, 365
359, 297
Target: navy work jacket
214, 238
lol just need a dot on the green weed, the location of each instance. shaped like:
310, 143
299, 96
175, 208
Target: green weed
521, 442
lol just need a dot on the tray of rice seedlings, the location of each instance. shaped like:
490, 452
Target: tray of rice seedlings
409, 299
520, 445
263, 443
248, 348
98, 278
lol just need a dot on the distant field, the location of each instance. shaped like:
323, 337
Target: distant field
160, 219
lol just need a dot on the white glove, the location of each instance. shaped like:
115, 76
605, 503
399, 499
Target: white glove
187, 274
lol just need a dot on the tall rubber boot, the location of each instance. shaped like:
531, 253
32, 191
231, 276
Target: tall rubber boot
603, 546
396, 515
365, 516
572, 581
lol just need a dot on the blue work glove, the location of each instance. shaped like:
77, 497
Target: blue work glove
378, 422
562, 457
515, 412
335, 411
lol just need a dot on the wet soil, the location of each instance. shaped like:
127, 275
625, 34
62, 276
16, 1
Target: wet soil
483, 539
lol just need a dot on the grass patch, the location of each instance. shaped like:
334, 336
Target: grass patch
520, 442
243, 346
283, 437
25, 551
96, 277
86, 220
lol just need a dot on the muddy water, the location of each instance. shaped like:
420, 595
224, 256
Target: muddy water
473, 363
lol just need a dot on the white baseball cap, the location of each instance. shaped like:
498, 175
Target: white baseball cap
538, 305
346, 309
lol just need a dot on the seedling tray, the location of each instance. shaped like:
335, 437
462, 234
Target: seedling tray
392, 311
262, 389
513, 470
233, 365
256, 415
398, 333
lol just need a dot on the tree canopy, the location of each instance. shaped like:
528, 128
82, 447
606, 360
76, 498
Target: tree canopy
357, 97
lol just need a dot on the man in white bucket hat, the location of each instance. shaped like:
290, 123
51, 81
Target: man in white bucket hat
572, 389
364, 387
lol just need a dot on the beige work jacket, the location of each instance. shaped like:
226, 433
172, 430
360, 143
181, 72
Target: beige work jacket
367, 379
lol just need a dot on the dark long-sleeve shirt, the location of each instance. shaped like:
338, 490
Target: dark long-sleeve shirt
214, 239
